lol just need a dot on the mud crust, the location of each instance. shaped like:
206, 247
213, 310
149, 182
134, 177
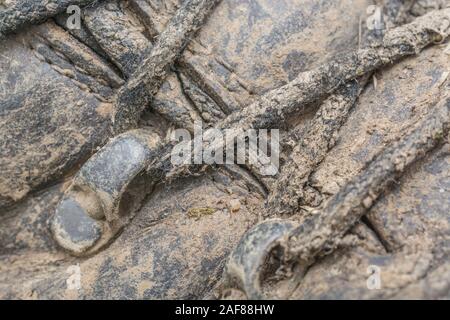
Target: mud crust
86, 149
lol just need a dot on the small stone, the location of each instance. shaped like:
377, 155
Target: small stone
331, 187
197, 213
234, 205
367, 202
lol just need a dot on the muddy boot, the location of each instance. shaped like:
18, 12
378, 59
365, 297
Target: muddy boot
88, 187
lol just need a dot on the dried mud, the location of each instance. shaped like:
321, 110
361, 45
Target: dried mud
58, 90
